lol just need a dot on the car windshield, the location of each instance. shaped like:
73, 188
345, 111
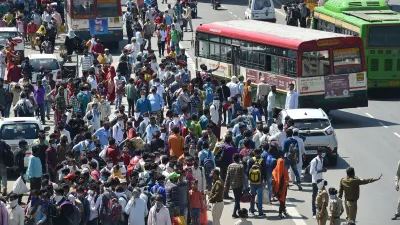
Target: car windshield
312, 124
4, 35
48, 64
19, 131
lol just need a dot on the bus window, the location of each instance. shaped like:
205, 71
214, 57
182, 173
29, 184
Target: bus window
347, 60
315, 63
204, 49
107, 9
274, 64
261, 4
214, 51
83, 7
226, 53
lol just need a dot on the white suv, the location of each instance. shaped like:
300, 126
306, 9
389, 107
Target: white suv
316, 127
12, 130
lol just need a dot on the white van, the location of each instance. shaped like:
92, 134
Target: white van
6, 32
12, 130
263, 10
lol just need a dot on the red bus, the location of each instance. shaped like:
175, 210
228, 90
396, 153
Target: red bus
328, 69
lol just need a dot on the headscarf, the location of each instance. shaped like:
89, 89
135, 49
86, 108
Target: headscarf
277, 174
135, 194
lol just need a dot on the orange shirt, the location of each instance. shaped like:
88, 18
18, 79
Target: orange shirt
196, 199
176, 144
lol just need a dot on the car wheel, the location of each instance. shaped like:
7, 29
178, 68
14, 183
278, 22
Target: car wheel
333, 160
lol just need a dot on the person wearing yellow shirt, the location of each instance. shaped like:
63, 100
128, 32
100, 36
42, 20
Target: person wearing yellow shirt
172, 54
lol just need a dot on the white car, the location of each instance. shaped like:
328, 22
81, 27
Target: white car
315, 126
12, 130
6, 32
49, 62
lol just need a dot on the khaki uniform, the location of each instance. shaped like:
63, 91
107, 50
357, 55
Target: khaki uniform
336, 209
322, 214
351, 188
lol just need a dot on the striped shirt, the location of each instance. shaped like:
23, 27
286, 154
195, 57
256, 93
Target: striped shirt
235, 175
86, 62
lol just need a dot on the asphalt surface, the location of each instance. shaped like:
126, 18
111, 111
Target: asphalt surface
368, 141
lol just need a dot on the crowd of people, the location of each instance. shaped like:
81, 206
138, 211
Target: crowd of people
163, 159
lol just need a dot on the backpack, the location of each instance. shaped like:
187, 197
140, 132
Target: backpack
209, 92
75, 216
8, 154
220, 154
271, 162
255, 171
114, 209
23, 110
208, 164
292, 156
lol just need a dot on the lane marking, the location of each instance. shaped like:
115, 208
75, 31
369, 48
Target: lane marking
235, 16
383, 125
369, 115
398, 135
230, 12
294, 214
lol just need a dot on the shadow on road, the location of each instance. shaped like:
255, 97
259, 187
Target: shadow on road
346, 120
228, 2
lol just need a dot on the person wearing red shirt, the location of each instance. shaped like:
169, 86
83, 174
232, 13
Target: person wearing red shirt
14, 74
97, 49
32, 28
112, 151
94, 172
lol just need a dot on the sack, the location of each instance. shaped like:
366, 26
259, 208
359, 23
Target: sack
114, 209
209, 92
19, 187
23, 110
101, 59
292, 156
265, 197
255, 172
246, 197
208, 164
178, 220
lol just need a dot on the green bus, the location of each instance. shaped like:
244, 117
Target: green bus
378, 27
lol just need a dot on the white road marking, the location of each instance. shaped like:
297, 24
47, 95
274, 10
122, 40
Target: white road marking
230, 12
369, 115
383, 125
294, 214
398, 135
234, 15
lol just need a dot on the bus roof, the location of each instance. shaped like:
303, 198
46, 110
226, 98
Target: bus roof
267, 33
355, 5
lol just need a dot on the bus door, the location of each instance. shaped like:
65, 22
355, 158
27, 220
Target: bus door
235, 60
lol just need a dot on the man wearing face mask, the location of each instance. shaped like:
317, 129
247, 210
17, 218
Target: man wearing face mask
159, 214
83, 98
141, 130
63, 131
183, 96
41, 150
143, 104
51, 158
94, 202
15, 212
271, 106
118, 130
157, 103
321, 202
94, 113
103, 134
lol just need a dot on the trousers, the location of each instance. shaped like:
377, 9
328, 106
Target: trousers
216, 212
321, 218
351, 210
3, 173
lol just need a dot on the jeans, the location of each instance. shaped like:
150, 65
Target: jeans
184, 212
41, 110
209, 182
229, 116
3, 174
131, 107
195, 214
7, 110
161, 48
314, 196
237, 193
95, 221
269, 183
47, 106
270, 118
256, 189
292, 174
296, 172
118, 101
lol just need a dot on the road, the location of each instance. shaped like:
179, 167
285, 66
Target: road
368, 139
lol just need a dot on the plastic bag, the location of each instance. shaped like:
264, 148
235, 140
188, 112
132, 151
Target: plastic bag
20, 187
265, 196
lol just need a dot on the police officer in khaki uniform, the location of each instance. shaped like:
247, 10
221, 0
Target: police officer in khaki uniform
350, 185
335, 207
397, 189
321, 202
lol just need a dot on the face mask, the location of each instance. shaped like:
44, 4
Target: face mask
121, 164
103, 178
78, 195
156, 83
320, 185
57, 198
176, 120
146, 119
90, 192
14, 203
109, 165
157, 159
143, 97
163, 136
137, 114
54, 145
70, 168
332, 197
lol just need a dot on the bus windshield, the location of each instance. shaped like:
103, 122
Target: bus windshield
107, 9
316, 63
347, 60
83, 7
383, 36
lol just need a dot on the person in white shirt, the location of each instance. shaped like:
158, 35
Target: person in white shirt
16, 214
151, 129
94, 202
92, 80
280, 136
292, 98
86, 61
118, 130
122, 200
136, 208
302, 153
257, 136
159, 214
109, 57
271, 105
64, 132
265, 136
316, 170
214, 112
233, 86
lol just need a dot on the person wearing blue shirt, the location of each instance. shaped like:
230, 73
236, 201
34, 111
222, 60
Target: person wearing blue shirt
156, 101
271, 163
240, 136
151, 129
143, 104
86, 144
159, 188
286, 145
204, 154
204, 119
34, 170
103, 134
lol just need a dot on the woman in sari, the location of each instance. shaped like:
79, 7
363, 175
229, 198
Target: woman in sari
280, 185
110, 85
247, 97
